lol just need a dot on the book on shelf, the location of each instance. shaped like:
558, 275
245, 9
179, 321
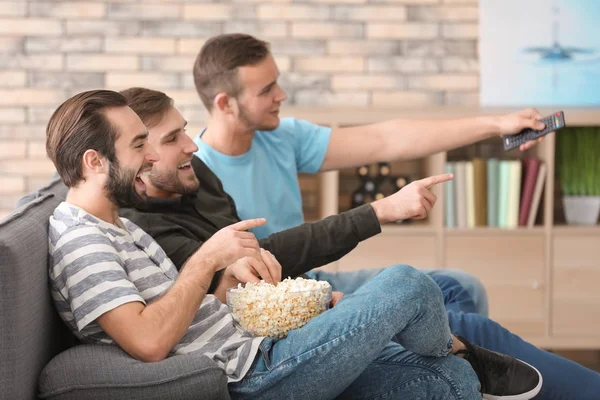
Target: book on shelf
494, 193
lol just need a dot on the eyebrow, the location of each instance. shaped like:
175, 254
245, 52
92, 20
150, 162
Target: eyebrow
174, 131
140, 136
266, 88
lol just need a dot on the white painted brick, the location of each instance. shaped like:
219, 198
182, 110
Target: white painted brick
168, 63
195, 116
65, 80
402, 64
36, 149
460, 64
30, 26
26, 131
105, 28
329, 64
327, 98
101, 62
460, 1
442, 13
32, 183
263, 30
364, 47
13, 8
466, 99
137, 45
243, 2
68, 9
12, 185
84, 44
190, 46
11, 149
407, 2
9, 201
11, 44
327, 30
338, 1
424, 48
402, 31
284, 63
186, 97
293, 12
178, 29
443, 82
207, 12
39, 115
370, 13
406, 99
366, 82
292, 81
298, 47
143, 11
460, 31
26, 97
48, 62
123, 80
42, 167
12, 78
12, 115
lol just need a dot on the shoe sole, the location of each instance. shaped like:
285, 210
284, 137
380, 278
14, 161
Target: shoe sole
522, 396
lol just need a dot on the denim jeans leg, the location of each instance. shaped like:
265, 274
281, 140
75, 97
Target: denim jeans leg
470, 283
563, 379
399, 374
456, 297
323, 358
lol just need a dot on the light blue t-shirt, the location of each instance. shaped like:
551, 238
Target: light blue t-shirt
264, 181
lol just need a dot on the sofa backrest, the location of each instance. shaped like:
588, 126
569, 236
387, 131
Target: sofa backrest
31, 332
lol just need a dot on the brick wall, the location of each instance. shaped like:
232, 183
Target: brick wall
379, 53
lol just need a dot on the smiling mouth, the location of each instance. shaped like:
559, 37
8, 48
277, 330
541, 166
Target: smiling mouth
186, 166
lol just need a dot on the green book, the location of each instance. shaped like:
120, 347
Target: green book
493, 172
503, 188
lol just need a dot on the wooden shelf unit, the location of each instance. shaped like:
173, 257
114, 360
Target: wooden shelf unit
542, 282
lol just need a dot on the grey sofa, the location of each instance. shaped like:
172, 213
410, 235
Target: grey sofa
39, 357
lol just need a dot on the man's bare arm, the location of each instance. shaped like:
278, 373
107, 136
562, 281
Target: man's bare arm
409, 139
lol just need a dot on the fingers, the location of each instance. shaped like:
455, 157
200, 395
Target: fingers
336, 297
248, 224
429, 195
435, 179
246, 275
262, 269
272, 264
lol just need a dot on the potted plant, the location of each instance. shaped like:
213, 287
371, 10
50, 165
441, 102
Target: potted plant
578, 155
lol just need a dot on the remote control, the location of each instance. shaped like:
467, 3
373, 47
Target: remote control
553, 122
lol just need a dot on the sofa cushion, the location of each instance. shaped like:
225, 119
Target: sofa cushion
31, 333
105, 372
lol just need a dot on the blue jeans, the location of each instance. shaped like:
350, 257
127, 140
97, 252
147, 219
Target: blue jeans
563, 379
389, 339
349, 281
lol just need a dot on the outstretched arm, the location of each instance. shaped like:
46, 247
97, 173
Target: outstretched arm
409, 139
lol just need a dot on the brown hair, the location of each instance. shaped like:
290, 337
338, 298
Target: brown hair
150, 105
79, 124
215, 68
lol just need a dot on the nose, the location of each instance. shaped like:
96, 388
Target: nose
281, 95
151, 154
189, 145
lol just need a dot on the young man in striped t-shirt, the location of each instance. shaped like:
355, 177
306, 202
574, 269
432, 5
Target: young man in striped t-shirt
113, 284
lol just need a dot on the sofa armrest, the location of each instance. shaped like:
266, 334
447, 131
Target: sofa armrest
106, 372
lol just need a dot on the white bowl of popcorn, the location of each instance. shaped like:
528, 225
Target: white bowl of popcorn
262, 309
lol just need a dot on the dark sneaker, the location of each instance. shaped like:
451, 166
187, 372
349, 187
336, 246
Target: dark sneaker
502, 377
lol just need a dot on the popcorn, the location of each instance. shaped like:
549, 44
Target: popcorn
262, 309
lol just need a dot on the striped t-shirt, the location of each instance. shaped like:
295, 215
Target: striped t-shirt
96, 266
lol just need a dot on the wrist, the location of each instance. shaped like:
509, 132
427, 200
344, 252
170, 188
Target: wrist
492, 125
379, 208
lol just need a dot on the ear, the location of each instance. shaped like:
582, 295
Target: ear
92, 162
224, 103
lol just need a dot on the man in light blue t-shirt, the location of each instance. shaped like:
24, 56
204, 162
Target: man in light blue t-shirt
258, 157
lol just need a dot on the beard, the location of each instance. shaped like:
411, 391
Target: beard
249, 122
171, 183
120, 186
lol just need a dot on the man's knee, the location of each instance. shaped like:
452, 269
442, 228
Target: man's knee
413, 283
